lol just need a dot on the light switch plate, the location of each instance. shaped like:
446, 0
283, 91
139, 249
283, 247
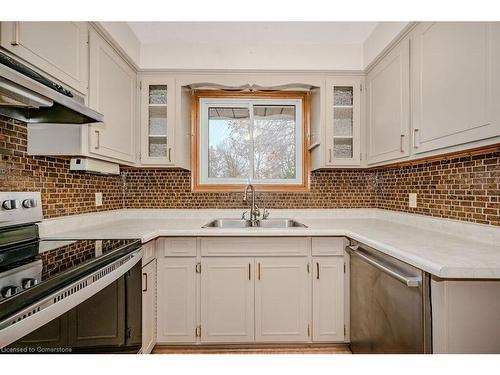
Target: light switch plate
98, 199
412, 200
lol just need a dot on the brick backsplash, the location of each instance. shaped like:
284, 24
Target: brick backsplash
63, 192
465, 188
171, 188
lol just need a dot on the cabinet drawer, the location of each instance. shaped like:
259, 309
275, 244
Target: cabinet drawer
177, 247
328, 245
255, 246
148, 252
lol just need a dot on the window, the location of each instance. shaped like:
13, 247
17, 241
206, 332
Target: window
246, 138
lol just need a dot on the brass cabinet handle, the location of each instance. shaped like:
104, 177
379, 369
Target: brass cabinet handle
317, 270
16, 40
249, 272
170, 154
401, 145
329, 155
258, 271
146, 282
415, 131
98, 143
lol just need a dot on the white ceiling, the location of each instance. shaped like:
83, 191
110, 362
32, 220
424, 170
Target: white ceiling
272, 33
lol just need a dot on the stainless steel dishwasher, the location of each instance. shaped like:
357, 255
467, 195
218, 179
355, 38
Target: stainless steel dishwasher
390, 304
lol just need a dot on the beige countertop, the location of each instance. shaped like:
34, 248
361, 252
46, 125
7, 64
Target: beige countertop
444, 248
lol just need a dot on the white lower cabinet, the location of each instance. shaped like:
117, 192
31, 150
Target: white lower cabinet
176, 300
328, 299
282, 301
223, 291
149, 306
227, 300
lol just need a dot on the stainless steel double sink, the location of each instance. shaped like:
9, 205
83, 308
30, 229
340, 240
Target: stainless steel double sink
265, 223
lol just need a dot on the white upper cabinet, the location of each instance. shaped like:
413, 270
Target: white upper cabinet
343, 118
282, 300
157, 120
387, 87
227, 300
455, 80
112, 91
57, 48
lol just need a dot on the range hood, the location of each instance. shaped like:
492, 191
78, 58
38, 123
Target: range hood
28, 96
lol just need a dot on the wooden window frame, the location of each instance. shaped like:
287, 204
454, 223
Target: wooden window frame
196, 186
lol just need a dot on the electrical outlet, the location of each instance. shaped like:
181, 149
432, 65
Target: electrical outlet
412, 200
98, 248
98, 199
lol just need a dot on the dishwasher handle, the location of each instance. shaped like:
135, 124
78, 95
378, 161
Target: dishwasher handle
411, 282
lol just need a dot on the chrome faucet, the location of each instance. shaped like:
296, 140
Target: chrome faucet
254, 209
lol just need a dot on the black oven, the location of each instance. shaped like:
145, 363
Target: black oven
63, 295
108, 322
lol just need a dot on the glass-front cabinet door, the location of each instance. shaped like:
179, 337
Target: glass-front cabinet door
343, 111
157, 120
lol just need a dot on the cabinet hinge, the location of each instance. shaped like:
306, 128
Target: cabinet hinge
140, 85
360, 87
198, 331
198, 267
308, 330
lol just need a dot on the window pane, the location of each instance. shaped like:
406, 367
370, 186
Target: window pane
342, 148
342, 95
157, 120
157, 147
157, 94
228, 142
274, 142
342, 121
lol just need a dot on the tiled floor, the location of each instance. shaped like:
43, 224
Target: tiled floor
262, 349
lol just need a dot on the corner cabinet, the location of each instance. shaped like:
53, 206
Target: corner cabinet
157, 120
112, 91
343, 122
57, 48
388, 106
455, 83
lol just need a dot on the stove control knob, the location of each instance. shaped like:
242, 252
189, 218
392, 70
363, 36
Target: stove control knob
28, 283
29, 203
10, 204
9, 291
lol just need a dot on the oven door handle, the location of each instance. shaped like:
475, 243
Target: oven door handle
410, 282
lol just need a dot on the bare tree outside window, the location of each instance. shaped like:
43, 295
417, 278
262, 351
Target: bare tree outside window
270, 141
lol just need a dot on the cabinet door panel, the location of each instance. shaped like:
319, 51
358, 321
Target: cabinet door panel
157, 120
149, 307
343, 130
58, 48
176, 300
113, 93
388, 106
282, 309
227, 300
328, 299
452, 84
